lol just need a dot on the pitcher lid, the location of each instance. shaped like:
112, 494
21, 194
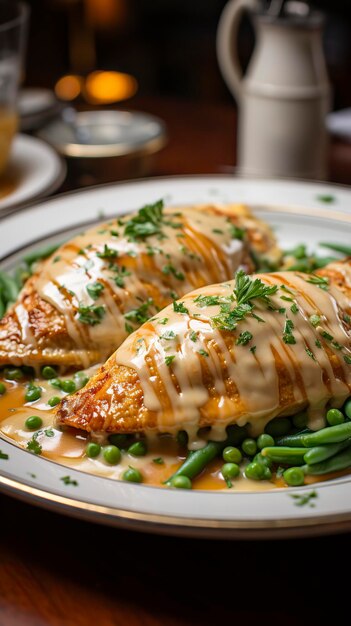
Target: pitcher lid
290, 13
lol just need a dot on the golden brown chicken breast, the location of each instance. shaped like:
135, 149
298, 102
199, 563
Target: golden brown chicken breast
242, 351
90, 294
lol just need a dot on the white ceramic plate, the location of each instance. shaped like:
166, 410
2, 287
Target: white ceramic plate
35, 170
299, 214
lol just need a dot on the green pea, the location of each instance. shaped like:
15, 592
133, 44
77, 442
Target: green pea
33, 393
232, 455
119, 440
68, 386
249, 446
294, 476
2, 389
347, 408
112, 455
80, 379
335, 417
34, 422
54, 400
255, 471
13, 373
48, 372
300, 420
265, 441
182, 438
230, 470
181, 482
265, 460
93, 449
278, 427
56, 382
132, 475
138, 448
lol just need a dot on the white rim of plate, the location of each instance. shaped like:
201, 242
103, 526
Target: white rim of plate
201, 513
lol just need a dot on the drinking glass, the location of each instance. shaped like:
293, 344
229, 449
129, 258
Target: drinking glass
13, 30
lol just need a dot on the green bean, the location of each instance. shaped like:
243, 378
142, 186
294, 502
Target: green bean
9, 287
197, 460
337, 247
39, 255
310, 439
2, 304
292, 441
285, 455
334, 464
321, 453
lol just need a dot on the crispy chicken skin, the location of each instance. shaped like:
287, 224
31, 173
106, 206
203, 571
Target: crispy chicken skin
289, 352
49, 324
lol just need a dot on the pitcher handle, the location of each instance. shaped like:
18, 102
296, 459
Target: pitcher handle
227, 33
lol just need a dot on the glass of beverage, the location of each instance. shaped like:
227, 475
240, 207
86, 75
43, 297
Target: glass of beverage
13, 30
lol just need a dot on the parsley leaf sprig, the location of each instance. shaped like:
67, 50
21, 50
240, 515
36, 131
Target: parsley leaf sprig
247, 289
146, 222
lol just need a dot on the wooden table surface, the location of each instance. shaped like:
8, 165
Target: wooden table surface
59, 571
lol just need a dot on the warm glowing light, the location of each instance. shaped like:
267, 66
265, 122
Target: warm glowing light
108, 87
68, 87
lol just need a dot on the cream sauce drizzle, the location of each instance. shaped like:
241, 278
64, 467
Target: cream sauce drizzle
315, 381
204, 253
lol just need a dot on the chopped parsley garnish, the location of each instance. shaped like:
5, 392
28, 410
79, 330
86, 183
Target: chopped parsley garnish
107, 253
236, 232
140, 314
320, 281
67, 480
169, 334
163, 321
327, 335
169, 360
285, 288
347, 359
56, 259
247, 289
94, 290
91, 315
294, 308
203, 352
170, 269
347, 318
217, 231
114, 233
4, 456
326, 198
148, 221
286, 298
310, 353
318, 343
315, 320
190, 254
203, 301
244, 338
120, 273
33, 445
49, 432
304, 498
158, 461
179, 307
288, 336
253, 349
227, 320
193, 336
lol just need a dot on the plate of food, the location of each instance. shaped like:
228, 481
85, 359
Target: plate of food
175, 356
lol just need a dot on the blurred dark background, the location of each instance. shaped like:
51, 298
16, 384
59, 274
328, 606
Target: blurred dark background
167, 45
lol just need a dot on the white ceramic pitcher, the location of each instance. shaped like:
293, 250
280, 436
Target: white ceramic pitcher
284, 97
